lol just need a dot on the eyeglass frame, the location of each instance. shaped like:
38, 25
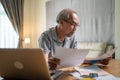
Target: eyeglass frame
73, 24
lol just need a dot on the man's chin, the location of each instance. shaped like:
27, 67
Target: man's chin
69, 35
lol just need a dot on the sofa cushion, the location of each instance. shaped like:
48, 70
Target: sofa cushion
92, 45
96, 48
94, 54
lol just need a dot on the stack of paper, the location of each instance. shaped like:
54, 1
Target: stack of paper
102, 75
92, 69
108, 77
108, 54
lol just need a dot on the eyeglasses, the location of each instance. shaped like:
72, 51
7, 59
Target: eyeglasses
72, 23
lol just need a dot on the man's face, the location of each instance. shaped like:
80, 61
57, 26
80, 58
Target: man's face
71, 25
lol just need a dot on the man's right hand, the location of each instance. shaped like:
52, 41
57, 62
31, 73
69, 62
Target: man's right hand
53, 62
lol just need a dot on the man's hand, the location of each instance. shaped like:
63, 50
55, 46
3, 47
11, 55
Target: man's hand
53, 62
102, 61
105, 61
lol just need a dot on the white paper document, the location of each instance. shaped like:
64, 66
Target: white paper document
70, 57
104, 56
107, 54
108, 77
92, 69
76, 75
102, 75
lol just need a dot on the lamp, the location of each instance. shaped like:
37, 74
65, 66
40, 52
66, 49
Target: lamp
27, 41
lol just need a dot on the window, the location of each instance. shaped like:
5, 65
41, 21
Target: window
8, 36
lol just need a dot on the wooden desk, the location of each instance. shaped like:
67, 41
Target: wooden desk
112, 68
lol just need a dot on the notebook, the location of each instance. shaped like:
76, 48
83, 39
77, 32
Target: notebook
23, 64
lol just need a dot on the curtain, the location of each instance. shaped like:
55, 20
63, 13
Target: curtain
14, 10
96, 20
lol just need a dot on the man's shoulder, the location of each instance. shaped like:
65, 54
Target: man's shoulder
48, 31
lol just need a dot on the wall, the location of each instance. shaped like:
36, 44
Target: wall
34, 20
52, 11
117, 28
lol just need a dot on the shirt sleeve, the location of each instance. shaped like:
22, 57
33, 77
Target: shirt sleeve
44, 43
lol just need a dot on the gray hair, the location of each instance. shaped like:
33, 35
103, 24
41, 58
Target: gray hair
65, 14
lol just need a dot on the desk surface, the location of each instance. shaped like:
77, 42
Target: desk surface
112, 68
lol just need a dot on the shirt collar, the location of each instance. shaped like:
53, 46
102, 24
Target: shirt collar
55, 37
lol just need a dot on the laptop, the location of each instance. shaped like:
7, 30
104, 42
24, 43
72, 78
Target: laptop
23, 64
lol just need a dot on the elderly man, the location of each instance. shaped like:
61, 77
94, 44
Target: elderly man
60, 35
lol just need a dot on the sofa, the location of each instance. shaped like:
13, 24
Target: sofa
96, 49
